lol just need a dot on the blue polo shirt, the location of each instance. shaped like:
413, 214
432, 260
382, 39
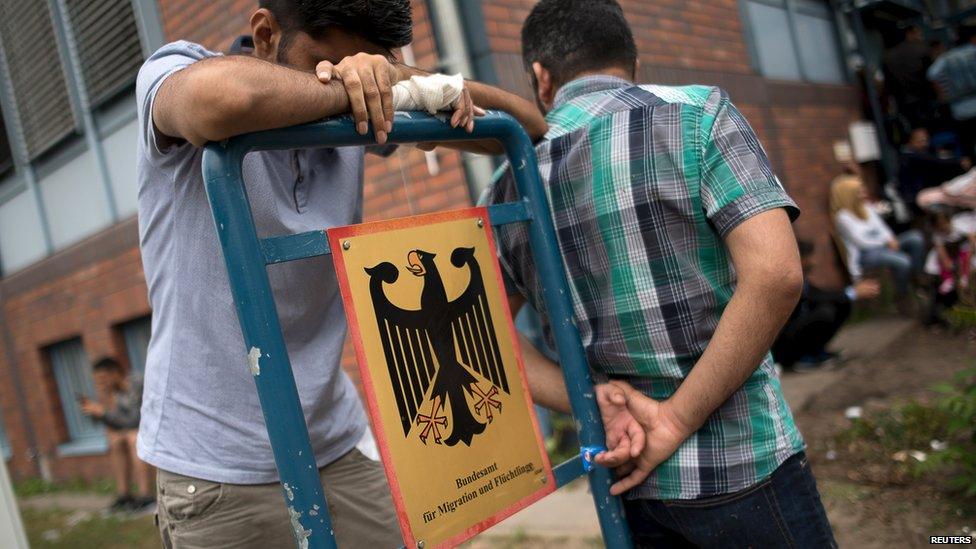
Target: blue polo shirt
200, 413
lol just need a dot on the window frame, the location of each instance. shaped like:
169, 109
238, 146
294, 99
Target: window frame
127, 330
792, 9
94, 123
91, 440
6, 166
5, 449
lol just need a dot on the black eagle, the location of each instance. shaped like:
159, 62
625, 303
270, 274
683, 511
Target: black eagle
433, 348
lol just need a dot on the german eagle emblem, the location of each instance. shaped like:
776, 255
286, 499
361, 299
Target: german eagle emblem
438, 355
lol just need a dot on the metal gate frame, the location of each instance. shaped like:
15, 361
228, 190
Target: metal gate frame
248, 256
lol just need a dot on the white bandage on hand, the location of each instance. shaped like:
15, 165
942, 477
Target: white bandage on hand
436, 92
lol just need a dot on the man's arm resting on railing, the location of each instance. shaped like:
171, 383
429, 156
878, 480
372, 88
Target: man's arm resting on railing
490, 97
218, 98
527, 114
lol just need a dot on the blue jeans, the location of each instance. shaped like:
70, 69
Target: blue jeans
782, 511
902, 263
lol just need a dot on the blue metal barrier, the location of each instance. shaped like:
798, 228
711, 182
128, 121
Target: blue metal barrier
247, 258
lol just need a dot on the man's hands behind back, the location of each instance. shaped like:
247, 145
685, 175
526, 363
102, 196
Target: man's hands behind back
625, 437
641, 433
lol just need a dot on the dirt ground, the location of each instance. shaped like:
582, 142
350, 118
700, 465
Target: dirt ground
872, 500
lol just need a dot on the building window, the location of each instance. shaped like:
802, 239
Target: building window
73, 376
6, 156
795, 40
38, 79
109, 50
136, 335
67, 79
4, 441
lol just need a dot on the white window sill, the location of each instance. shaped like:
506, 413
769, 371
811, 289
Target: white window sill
84, 447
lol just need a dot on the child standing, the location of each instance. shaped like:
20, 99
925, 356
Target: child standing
952, 248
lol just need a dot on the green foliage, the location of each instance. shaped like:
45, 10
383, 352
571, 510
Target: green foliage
37, 486
63, 529
909, 427
962, 317
563, 443
959, 459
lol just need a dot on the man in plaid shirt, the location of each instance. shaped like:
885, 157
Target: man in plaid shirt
682, 267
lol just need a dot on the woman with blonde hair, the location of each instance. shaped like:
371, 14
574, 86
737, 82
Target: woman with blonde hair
869, 242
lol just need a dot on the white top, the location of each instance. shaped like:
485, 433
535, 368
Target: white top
963, 225
861, 234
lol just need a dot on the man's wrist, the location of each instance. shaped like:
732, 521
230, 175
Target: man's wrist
682, 421
404, 71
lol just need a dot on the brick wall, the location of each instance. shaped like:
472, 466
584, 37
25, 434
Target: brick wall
703, 42
86, 291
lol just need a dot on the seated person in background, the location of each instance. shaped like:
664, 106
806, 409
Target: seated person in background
802, 344
869, 242
121, 417
921, 169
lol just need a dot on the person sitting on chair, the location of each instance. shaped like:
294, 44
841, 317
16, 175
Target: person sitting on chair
121, 418
869, 242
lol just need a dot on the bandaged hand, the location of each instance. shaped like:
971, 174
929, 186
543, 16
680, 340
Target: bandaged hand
437, 92
372, 81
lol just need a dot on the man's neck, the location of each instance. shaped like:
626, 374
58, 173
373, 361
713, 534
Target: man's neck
616, 72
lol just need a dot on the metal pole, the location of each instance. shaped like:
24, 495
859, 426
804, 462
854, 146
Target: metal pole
887, 165
549, 262
266, 354
262, 332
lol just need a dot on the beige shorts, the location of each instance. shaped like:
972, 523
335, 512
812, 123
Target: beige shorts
194, 513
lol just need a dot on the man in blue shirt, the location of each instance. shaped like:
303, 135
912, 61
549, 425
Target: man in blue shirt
954, 76
202, 425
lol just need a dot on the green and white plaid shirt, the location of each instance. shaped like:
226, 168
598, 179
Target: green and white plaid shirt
644, 184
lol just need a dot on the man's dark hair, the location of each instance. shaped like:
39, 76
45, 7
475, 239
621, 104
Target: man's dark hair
805, 246
569, 37
108, 364
966, 33
386, 23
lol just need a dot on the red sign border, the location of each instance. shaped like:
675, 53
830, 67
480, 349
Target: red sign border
335, 242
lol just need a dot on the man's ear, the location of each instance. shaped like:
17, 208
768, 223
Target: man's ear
267, 34
636, 71
545, 90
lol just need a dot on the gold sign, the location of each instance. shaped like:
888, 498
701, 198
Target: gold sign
443, 377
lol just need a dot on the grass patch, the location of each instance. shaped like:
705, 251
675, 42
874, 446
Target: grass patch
60, 529
962, 317
839, 490
37, 486
911, 426
937, 441
563, 444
